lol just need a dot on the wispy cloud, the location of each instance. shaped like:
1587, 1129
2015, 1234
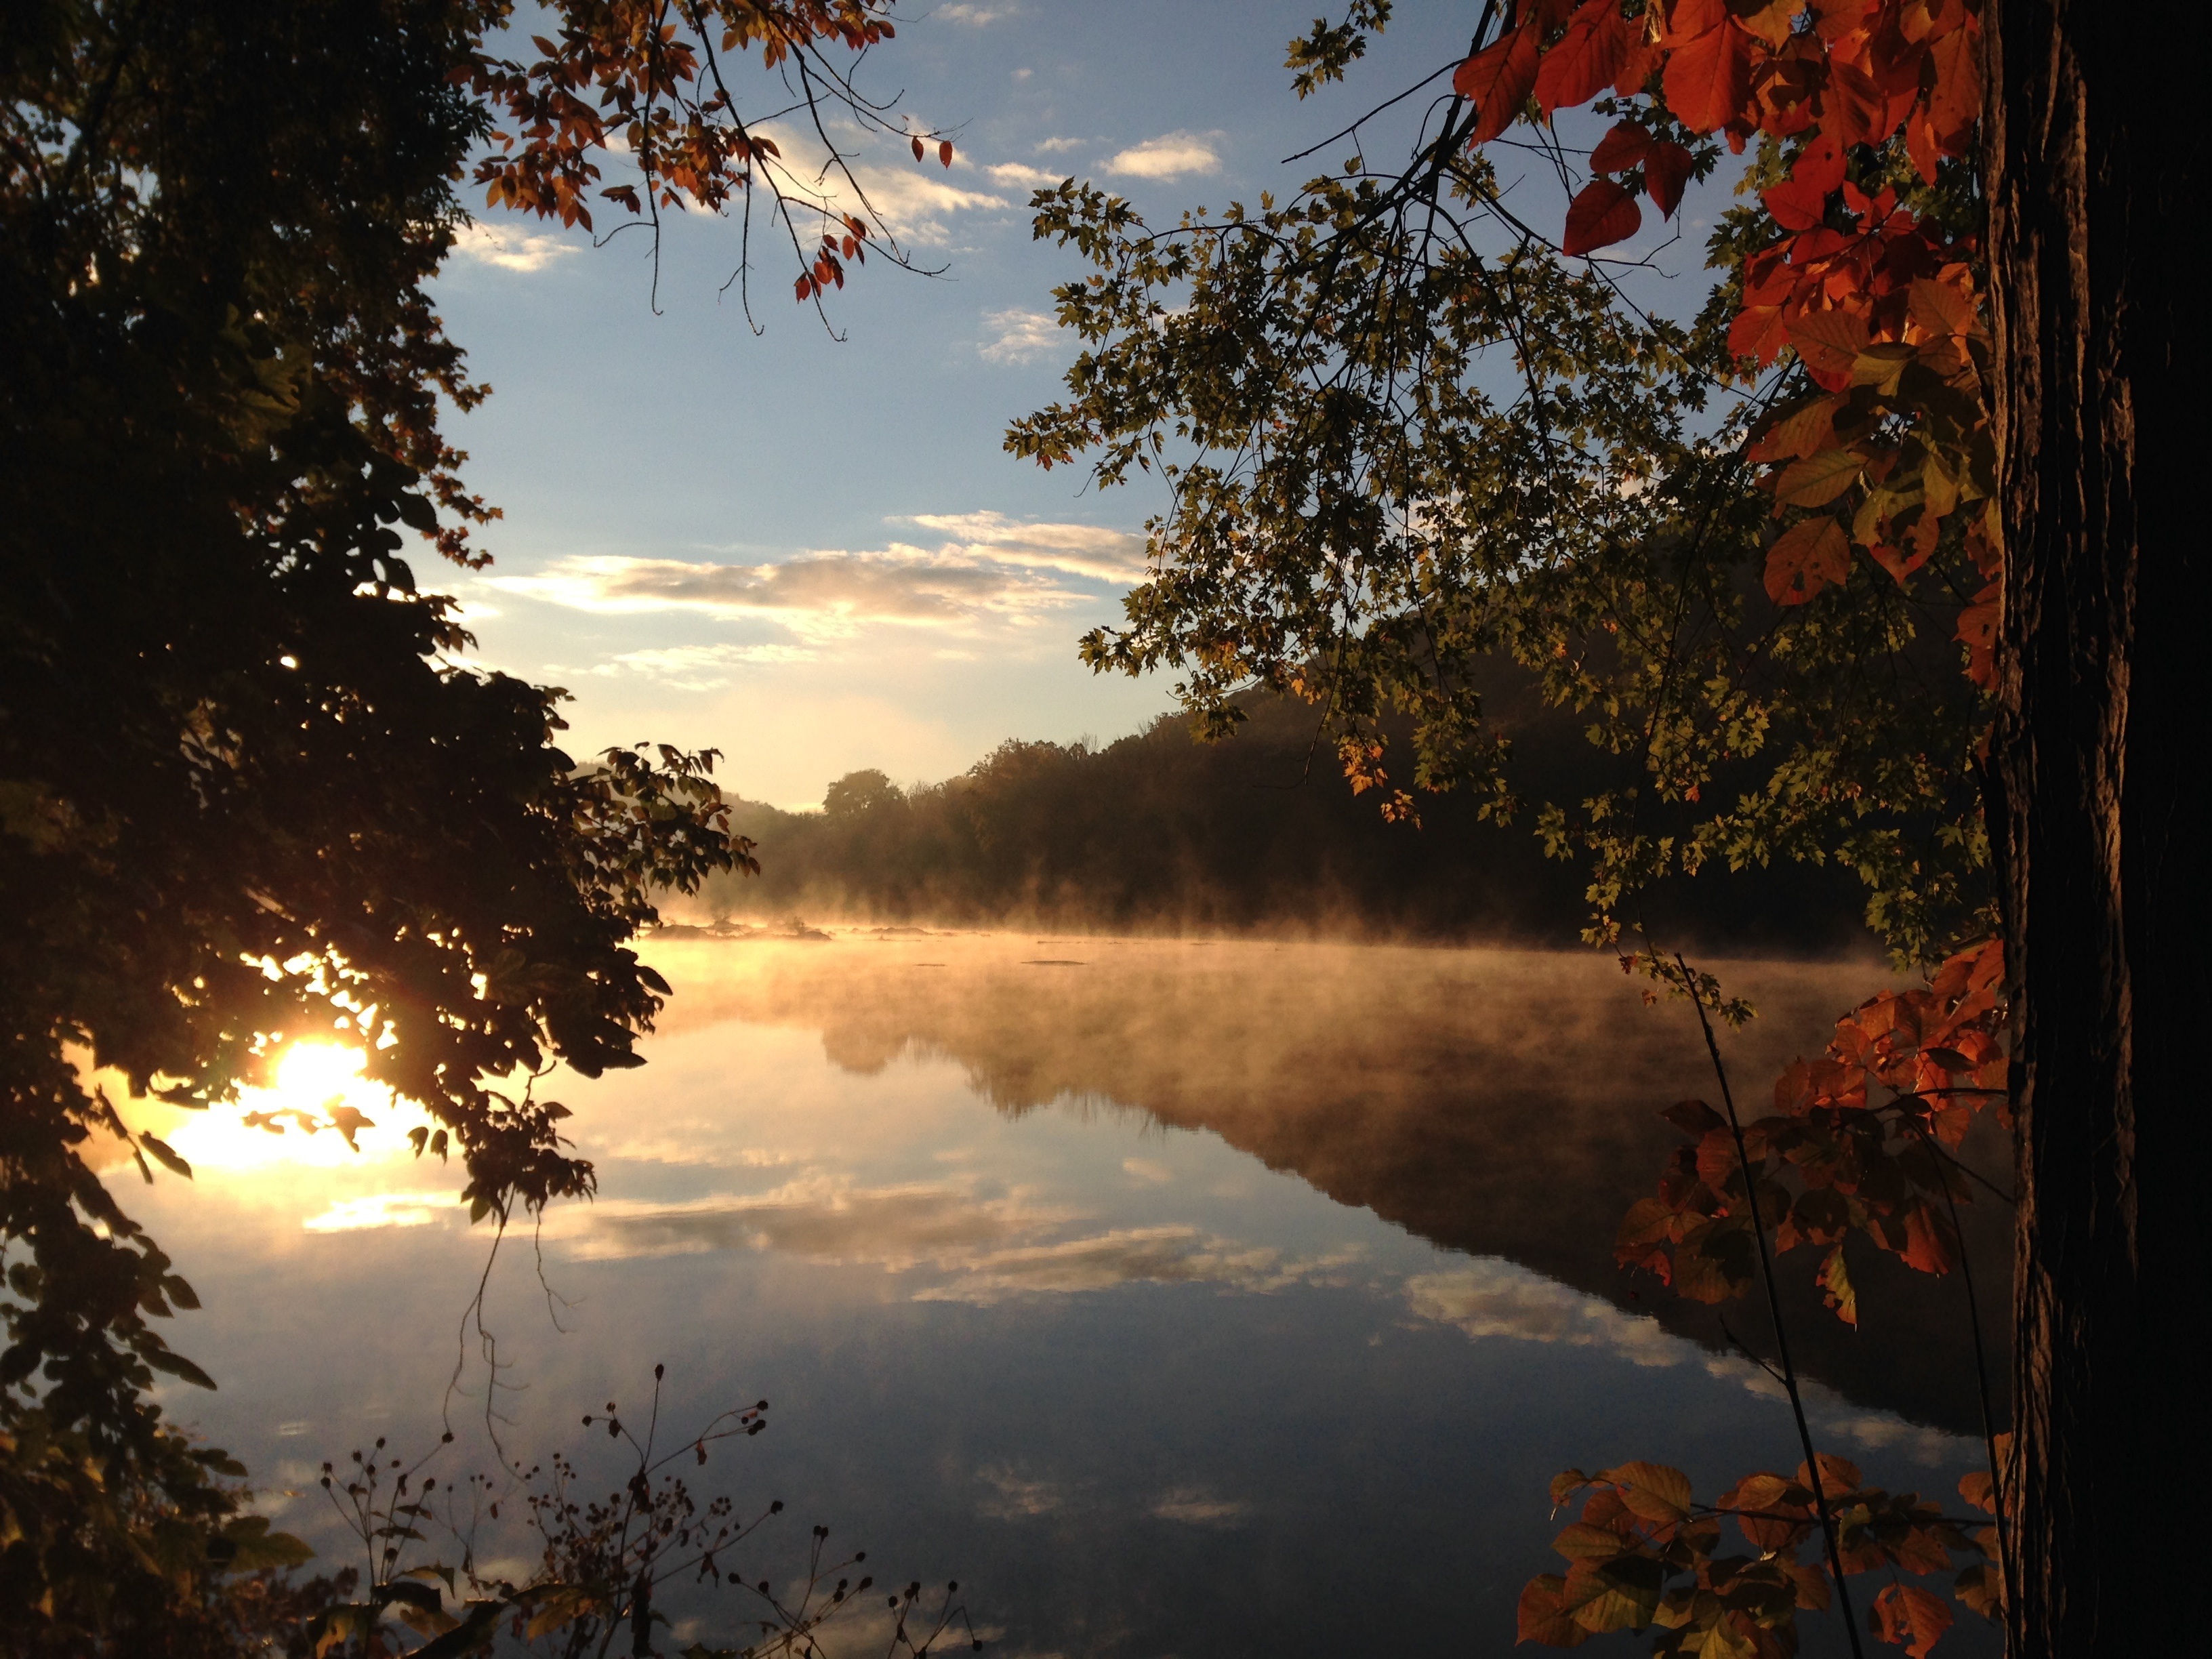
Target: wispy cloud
1490, 1296
962, 11
693, 667
916, 199
1170, 155
1196, 1506
1019, 336
1081, 549
991, 572
1021, 172
1061, 146
817, 596
510, 250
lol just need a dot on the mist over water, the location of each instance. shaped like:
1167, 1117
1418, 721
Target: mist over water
1176, 1297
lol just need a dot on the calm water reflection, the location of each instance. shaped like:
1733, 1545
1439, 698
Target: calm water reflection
1196, 1299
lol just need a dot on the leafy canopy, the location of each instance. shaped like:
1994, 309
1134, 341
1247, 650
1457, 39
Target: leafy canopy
1407, 431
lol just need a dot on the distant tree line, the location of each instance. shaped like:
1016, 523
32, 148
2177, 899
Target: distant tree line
1157, 832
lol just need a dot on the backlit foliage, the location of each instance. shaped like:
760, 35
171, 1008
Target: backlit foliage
248, 792
1405, 432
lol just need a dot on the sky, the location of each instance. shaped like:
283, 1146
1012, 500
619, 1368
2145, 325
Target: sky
812, 554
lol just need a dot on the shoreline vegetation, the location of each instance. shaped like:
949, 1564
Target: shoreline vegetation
1157, 834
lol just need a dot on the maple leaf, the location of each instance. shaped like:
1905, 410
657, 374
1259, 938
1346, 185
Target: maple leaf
1603, 212
1809, 555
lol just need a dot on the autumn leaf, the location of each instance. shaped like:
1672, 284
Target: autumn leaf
1623, 148
1653, 1492
1587, 58
1796, 432
1602, 213
1807, 556
1837, 1289
1708, 80
1665, 174
1497, 81
1542, 1615
1911, 1618
1830, 343
1817, 479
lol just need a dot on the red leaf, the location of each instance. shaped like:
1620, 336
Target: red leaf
917, 150
1810, 554
1708, 80
1797, 205
1911, 1618
1584, 61
1497, 81
1603, 214
944, 153
1666, 171
1623, 148
1819, 164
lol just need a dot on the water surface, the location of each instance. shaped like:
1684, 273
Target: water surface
1178, 1298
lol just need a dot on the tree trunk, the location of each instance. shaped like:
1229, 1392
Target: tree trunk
2096, 167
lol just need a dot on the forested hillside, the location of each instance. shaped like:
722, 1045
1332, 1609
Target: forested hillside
1158, 832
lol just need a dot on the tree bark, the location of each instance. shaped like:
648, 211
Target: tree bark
2096, 167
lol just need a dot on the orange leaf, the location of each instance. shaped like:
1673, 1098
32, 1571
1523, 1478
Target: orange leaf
1817, 479
1805, 558
1497, 81
1583, 62
1796, 432
1942, 308
1604, 213
1542, 1615
1910, 1617
1708, 80
1665, 172
1830, 341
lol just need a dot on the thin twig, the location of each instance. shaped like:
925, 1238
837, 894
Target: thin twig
1774, 1313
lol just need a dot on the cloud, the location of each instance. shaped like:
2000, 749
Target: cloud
915, 200
1493, 1297
693, 667
992, 1248
382, 1209
1020, 173
895, 1227
818, 595
510, 250
1168, 156
975, 16
1014, 1499
1020, 335
1081, 549
1196, 1506
1059, 146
